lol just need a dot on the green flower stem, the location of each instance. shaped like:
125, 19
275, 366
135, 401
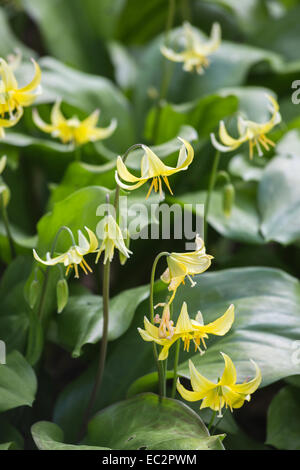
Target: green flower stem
155, 353
212, 182
175, 368
212, 420
103, 350
124, 158
7, 229
46, 276
77, 153
166, 72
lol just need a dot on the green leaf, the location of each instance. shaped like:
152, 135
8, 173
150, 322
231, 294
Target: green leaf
10, 436
243, 224
283, 430
279, 200
266, 321
82, 320
249, 170
17, 382
145, 422
49, 436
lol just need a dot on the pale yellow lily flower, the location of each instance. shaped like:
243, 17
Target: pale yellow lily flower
153, 168
226, 392
73, 130
111, 235
12, 97
249, 131
187, 330
196, 51
74, 256
181, 265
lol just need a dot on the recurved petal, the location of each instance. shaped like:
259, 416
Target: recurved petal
57, 118
226, 139
200, 383
49, 261
220, 326
229, 373
130, 187
172, 55
7, 75
93, 241
40, 123
35, 81
186, 155
218, 146
187, 394
124, 173
249, 387
103, 132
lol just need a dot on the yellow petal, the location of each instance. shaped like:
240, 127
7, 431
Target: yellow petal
184, 324
50, 261
38, 121
7, 75
249, 387
187, 394
200, 383
35, 81
171, 55
57, 118
220, 326
229, 373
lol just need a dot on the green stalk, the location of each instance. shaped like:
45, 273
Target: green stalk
77, 152
103, 350
7, 229
212, 182
166, 73
46, 277
212, 420
175, 368
160, 367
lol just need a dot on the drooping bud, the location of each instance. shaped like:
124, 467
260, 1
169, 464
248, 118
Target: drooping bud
62, 293
4, 193
34, 292
228, 198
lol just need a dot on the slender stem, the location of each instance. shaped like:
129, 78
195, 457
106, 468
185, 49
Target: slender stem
166, 73
7, 229
46, 277
175, 368
103, 350
77, 152
212, 420
186, 10
218, 423
212, 182
124, 158
155, 353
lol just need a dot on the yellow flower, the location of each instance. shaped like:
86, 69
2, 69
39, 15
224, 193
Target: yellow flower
12, 97
111, 236
226, 392
75, 254
249, 131
14, 119
73, 130
187, 330
181, 265
153, 168
196, 50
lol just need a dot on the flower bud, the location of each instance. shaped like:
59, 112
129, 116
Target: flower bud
34, 292
4, 193
62, 293
228, 198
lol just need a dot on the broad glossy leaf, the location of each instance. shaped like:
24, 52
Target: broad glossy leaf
266, 321
279, 200
145, 422
249, 170
82, 320
18, 382
49, 436
283, 430
243, 223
